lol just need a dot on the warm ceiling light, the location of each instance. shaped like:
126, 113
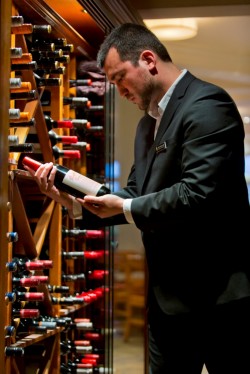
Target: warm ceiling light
172, 28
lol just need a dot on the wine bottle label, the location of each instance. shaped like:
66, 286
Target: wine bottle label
81, 183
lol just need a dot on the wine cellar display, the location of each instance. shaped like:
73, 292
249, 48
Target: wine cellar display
56, 280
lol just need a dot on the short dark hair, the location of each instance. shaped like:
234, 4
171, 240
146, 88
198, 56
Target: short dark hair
130, 40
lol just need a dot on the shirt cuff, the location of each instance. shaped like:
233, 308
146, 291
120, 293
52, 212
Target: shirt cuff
127, 210
77, 210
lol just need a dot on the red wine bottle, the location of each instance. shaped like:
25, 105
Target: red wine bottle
54, 138
81, 146
29, 66
77, 233
43, 82
19, 264
70, 181
80, 82
27, 280
70, 300
23, 296
25, 313
90, 255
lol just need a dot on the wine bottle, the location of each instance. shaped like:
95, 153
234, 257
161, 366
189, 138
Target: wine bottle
23, 87
80, 82
9, 331
25, 313
54, 138
20, 264
16, 20
28, 28
16, 115
30, 123
58, 289
23, 95
15, 83
29, 66
70, 181
90, 255
23, 296
70, 300
79, 145
50, 123
53, 54
77, 233
57, 153
61, 70
13, 139
28, 280
43, 82
13, 351
12, 236
16, 53
73, 277
25, 147
76, 101
43, 47
25, 58
97, 274
47, 63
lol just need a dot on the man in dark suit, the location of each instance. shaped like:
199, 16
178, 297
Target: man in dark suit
187, 194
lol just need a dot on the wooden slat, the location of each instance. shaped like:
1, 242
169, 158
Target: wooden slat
42, 226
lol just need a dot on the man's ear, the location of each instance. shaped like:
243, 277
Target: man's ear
149, 58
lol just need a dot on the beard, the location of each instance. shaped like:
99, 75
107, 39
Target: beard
145, 93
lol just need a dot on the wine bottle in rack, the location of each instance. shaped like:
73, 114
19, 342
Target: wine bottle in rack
52, 124
16, 20
22, 87
78, 234
70, 300
29, 280
15, 82
25, 58
13, 351
89, 255
70, 181
58, 289
23, 95
12, 236
61, 70
80, 82
72, 277
22, 148
16, 115
43, 82
28, 28
9, 331
20, 264
14, 296
25, 313
29, 66
13, 139
47, 63
37, 55
16, 53
54, 138
81, 146
76, 101
57, 152
30, 123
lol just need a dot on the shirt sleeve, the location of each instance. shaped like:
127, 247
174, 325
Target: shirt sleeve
127, 210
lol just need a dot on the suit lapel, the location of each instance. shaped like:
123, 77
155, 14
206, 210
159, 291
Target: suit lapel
168, 114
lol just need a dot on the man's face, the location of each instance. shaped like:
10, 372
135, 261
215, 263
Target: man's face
133, 82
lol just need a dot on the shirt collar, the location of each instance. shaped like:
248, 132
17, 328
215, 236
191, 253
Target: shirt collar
158, 112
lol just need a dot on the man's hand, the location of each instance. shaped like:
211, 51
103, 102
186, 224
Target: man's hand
103, 206
45, 177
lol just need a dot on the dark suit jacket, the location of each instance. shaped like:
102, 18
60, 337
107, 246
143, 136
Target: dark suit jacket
190, 198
